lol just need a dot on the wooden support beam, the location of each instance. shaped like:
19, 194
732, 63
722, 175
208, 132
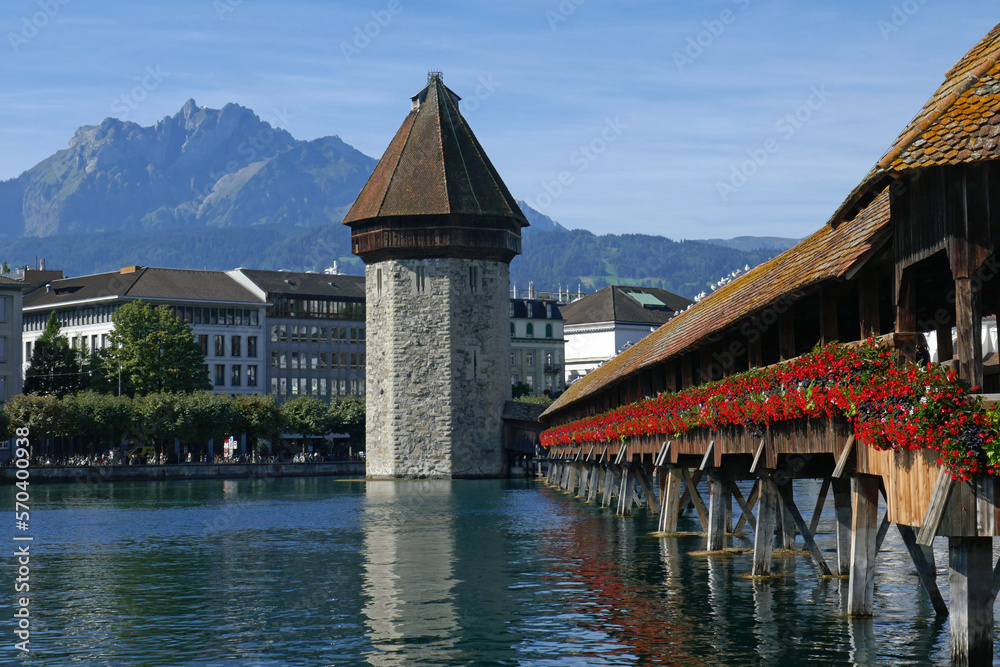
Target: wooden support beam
842, 515
595, 479
751, 503
610, 477
670, 500
906, 310
786, 334
745, 509
695, 497
716, 513
861, 588
664, 454
763, 544
686, 500
935, 508
646, 482
756, 457
785, 516
969, 344
708, 454
868, 303
820, 501
923, 560
627, 491
786, 497
945, 345
828, 319
883, 528
970, 563
845, 453
996, 579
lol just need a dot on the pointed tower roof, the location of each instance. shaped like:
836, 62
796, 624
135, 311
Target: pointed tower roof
434, 166
434, 174
960, 123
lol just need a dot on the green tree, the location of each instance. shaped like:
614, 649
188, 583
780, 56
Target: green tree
307, 416
42, 415
5, 431
156, 419
98, 418
259, 417
203, 416
347, 415
155, 352
56, 368
520, 389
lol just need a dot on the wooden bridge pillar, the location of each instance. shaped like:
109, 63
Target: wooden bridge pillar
970, 561
787, 523
610, 480
763, 543
716, 512
595, 479
861, 588
842, 513
670, 500
627, 491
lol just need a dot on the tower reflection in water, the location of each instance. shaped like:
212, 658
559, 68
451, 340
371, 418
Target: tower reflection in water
409, 560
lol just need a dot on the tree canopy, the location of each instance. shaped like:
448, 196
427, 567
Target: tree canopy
155, 352
56, 368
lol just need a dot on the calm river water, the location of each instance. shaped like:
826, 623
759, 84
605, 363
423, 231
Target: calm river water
324, 571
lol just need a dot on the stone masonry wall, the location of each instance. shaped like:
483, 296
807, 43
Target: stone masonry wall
438, 367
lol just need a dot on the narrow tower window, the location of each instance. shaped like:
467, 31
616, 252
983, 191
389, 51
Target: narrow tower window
421, 278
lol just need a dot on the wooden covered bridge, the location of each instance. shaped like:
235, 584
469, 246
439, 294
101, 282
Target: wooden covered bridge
913, 251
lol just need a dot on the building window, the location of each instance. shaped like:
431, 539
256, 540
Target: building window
378, 282
3, 389
511, 329
548, 310
236, 345
474, 279
220, 346
315, 386
283, 386
548, 358
420, 278
203, 343
220, 375
236, 379
251, 375
3, 349
322, 386
512, 309
529, 330
3, 309
274, 386
512, 362
531, 382
529, 358
27, 351
548, 331
295, 387
252, 344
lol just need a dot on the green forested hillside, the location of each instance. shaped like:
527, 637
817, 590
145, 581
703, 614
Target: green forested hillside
551, 259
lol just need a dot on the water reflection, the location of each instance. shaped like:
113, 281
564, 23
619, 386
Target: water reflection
409, 554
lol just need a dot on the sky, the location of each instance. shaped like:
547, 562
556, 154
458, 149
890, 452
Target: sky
705, 119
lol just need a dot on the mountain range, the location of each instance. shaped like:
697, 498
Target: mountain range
220, 188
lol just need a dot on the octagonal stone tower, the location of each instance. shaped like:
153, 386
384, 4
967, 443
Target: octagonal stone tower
437, 230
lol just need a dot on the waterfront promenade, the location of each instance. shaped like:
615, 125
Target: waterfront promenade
96, 474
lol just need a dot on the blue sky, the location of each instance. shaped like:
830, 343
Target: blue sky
623, 116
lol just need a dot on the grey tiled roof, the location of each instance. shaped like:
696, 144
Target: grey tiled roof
143, 283
320, 285
613, 304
